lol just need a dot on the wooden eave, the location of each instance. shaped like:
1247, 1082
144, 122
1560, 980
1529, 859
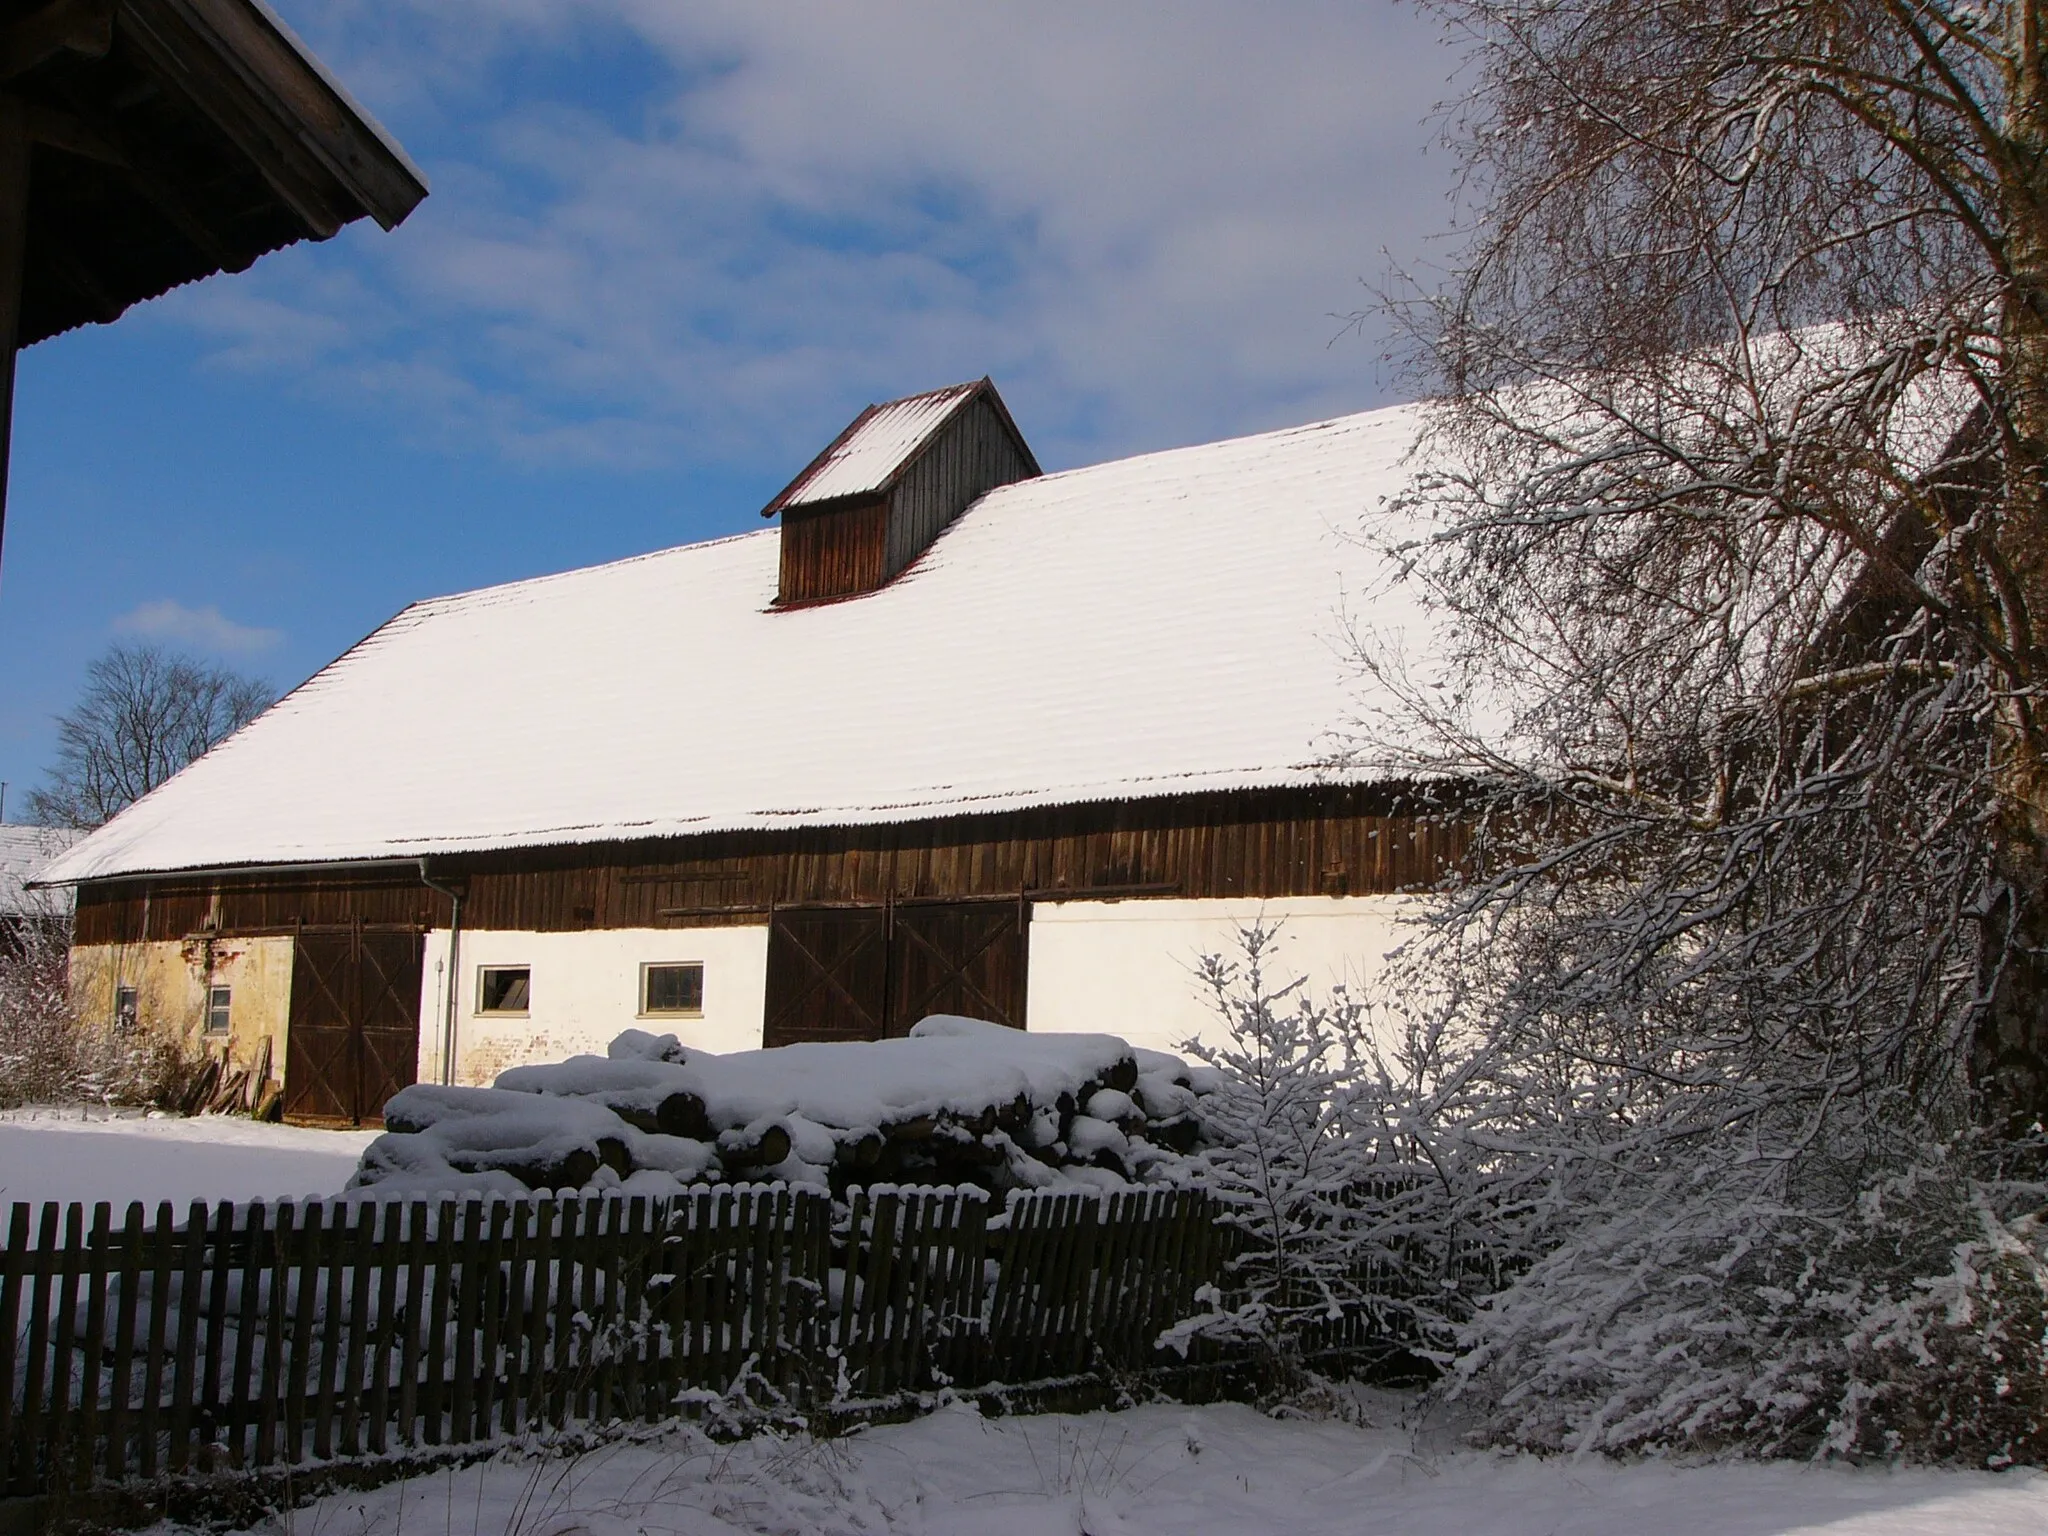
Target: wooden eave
172, 139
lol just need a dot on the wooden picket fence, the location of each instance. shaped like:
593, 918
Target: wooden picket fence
261, 1336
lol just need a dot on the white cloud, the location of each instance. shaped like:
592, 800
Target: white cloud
1144, 222
205, 629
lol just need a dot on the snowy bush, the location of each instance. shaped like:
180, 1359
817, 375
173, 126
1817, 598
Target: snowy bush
1339, 1164
48, 1054
1716, 1309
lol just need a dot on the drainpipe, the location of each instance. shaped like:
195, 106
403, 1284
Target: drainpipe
454, 968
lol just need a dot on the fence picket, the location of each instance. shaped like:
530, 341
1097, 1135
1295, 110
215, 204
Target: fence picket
162, 1266
185, 1361
13, 1263
356, 1348
220, 1248
86, 1436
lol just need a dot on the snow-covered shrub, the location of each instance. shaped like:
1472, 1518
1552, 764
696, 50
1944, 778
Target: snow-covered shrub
1719, 1309
1338, 1160
48, 1054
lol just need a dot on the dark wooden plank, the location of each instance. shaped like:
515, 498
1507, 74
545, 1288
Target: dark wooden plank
61, 1418
586, 1405
563, 1354
468, 1300
762, 1229
871, 1327
914, 1255
539, 1307
608, 1248
31, 1422
441, 1306
362, 1275
128, 1301
92, 1355
93, 1346
1002, 1307
242, 1390
490, 1363
412, 1320
632, 1273
307, 1250
220, 1277
15, 1263
974, 1279
517, 1258
388, 1258
283, 1251
162, 1266
185, 1361
332, 1326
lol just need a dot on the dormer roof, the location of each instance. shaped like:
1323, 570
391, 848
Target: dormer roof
883, 441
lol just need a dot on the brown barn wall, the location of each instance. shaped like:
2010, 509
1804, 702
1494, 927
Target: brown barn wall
971, 457
1266, 843
835, 552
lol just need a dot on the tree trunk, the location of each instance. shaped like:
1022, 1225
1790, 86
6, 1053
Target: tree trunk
2009, 1064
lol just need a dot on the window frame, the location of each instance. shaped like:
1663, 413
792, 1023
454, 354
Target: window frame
127, 1008
478, 1009
219, 1001
647, 967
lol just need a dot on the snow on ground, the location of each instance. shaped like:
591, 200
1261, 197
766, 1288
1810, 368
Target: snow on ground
90, 1154
1149, 1472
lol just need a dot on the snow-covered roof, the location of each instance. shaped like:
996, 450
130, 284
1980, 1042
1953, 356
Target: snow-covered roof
877, 446
1153, 626
23, 853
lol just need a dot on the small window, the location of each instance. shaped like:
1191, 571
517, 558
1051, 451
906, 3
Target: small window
124, 1009
504, 989
217, 1010
671, 988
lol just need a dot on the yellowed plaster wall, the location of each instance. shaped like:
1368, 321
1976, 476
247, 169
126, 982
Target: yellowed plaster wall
171, 981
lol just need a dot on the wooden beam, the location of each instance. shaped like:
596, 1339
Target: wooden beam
83, 27
14, 153
72, 134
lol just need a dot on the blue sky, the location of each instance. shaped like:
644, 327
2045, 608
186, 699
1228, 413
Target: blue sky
671, 248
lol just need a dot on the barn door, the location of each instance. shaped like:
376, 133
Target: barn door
828, 975
962, 957
355, 1023
867, 973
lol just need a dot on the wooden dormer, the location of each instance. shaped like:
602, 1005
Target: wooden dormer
888, 486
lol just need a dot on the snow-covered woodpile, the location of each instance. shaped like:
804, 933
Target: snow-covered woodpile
958, 1101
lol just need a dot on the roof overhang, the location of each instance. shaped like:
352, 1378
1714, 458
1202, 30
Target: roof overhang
172, 139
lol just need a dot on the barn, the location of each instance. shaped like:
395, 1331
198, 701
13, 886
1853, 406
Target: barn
949, 734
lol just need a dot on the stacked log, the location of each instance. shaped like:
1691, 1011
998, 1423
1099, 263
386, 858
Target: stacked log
959, 1102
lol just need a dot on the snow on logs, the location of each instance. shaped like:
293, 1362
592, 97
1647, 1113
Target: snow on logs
958, 1101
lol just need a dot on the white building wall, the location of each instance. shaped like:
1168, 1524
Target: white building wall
1129, 967
1118, 967
585, 989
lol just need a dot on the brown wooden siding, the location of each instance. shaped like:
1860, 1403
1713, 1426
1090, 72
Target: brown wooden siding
835, 551
971, 457
1266, 843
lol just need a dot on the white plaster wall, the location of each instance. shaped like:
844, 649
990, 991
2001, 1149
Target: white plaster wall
586, 988
1129, 967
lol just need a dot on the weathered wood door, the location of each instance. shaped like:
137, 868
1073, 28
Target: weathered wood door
868, 973
960, 957
355, 1022
828, 975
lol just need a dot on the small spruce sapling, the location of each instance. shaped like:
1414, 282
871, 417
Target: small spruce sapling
1281, 1161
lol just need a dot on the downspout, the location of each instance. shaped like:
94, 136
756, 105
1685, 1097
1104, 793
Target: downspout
454, 987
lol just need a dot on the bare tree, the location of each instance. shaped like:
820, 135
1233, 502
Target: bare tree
1727, 575
1738, 497
144, 714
